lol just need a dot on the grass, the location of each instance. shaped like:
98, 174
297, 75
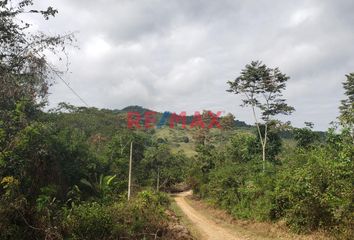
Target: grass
174, 139
218, 137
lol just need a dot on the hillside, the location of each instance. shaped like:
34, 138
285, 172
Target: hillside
106, 122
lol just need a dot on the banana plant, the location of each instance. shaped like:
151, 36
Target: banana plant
101, 186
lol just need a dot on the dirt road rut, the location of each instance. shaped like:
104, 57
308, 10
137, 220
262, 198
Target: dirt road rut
208, 228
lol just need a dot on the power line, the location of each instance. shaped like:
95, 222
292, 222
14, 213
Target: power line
58, 75
67, 84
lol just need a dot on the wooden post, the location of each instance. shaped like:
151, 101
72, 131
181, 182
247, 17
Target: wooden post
130, 170
158, 179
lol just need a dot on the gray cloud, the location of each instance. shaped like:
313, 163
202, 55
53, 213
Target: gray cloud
178, 55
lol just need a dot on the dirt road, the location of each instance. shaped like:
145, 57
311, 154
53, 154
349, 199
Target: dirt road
208, 228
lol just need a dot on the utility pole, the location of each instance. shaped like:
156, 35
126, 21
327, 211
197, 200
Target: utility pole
130, 169
158, 179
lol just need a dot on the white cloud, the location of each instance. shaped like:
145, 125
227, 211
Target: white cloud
96, 48
178, 55
302, 16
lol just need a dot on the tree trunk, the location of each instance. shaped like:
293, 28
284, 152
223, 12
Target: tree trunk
130, 169
264, 156
264, 146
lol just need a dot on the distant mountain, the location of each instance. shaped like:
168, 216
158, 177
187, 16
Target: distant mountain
141, 110
136, 108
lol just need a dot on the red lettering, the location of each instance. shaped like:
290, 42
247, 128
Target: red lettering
134, 119
214, 119
197, 120
149, 119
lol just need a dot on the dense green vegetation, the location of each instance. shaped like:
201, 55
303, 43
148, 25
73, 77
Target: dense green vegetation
308, 184
64, 173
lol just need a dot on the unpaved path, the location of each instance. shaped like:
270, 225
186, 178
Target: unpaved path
208, 228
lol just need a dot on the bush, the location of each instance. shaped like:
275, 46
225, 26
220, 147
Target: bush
257, 198
90, 221
317, 194
223, 187
142, 215
240, 191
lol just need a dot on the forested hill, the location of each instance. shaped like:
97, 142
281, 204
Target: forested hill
106, 123
141, 110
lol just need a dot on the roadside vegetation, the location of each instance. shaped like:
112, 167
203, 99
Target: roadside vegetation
64, 173
308, 184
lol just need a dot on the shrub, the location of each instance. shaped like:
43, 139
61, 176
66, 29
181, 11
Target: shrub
142, 215
223, 187
317, 194
89, 221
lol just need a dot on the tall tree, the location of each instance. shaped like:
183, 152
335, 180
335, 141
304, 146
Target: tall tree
262, 89
228, 122
306, 137
164, 168
347, 107
24, 69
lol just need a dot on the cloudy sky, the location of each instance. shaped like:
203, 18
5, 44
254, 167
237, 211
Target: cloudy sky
178, 54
